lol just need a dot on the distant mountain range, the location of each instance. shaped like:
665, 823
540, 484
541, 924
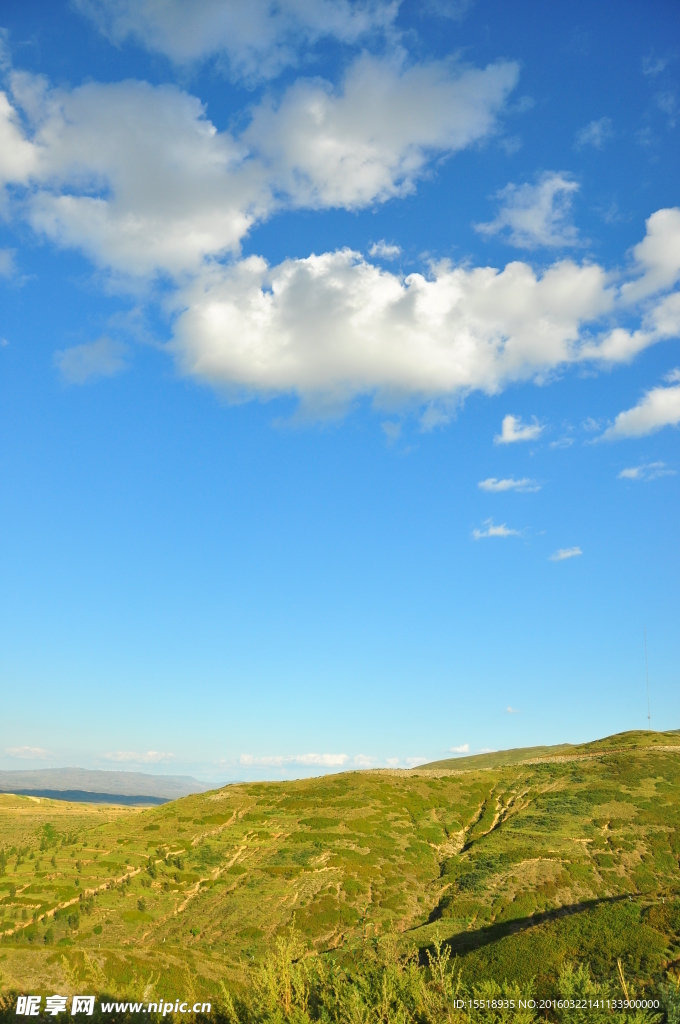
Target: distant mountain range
81, 784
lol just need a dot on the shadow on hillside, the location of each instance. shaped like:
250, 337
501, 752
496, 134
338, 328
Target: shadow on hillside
475, 938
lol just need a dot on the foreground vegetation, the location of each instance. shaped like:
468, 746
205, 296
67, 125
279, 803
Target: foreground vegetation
391, 896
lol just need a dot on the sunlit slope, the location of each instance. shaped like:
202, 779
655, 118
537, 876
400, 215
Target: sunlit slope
184, 895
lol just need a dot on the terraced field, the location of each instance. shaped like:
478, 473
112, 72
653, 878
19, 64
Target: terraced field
521, 863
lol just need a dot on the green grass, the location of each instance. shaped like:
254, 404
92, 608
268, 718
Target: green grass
522, 862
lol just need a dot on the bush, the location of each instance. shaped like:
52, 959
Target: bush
141, 904
295, 986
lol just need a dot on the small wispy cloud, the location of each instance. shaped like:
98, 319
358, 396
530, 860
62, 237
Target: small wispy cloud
564, 553
590, 425
513, 430
134, 757
667, 103
101, 358
653, 65
279, 760
562, 442
393, 762
384, 250
508, 484
453, 9
491, 530
413, 762
7, 267
464, 748
391, 430
595, 134
532, 216
646, 471
512, 711
28, 753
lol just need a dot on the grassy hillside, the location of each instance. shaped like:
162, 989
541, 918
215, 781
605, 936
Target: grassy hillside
521, 865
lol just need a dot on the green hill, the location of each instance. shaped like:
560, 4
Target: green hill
521, 861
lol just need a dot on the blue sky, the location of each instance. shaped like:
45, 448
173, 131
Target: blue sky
340, 380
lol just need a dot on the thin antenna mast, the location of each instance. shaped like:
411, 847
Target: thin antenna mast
649, 717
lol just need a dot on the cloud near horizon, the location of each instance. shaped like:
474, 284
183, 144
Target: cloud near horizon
316, 760
28, 753
132, 757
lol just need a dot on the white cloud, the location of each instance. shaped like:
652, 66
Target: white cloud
138, 177
537, 215
278, 760
372, 137
135, 175
489, 530
657, 256
660, 407
17, 154
258, 39
508, 484
6, 262
28, 753
335, 326
647, 471
393, 762
384, 250
512, 711
564, 553
133, 757
101, 358
513, 430
464, 748
595, 134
